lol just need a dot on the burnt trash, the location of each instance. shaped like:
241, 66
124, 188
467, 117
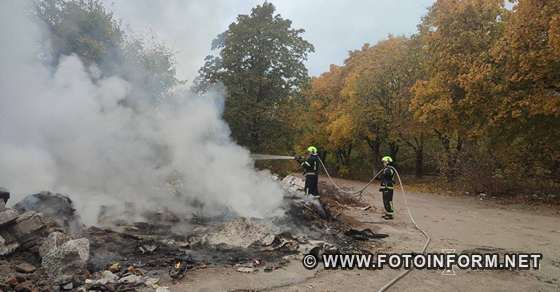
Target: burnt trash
151, 282
58, 207
104, 279
180, 266
147, 247
99, 288
364, 234
6, 246
247, 270
130, 256
25, 268
129, 280
318, 207
293, 187
163, 215
322, 248
286, 241
64, 283
115, 267
67, 287
311, 207
135, 271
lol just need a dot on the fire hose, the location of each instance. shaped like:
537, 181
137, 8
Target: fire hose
360, 192
282, 157
428, 238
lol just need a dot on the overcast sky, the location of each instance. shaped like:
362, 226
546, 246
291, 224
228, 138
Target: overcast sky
333, 26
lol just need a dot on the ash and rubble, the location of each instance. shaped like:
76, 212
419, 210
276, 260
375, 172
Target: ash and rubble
45, 247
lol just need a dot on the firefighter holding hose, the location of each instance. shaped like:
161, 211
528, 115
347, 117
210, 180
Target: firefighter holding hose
311, 171
387, 178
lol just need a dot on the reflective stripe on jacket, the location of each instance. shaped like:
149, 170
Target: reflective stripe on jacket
387, 178
311, 165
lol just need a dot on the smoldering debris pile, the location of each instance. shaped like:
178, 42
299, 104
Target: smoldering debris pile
38, 251
45, 247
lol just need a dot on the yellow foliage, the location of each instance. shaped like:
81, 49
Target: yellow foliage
476, 76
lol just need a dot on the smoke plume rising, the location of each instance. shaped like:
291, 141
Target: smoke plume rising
65, 129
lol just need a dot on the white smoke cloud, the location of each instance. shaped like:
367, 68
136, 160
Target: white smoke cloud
63, 129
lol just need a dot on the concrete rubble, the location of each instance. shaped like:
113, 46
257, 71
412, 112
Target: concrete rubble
110, 281
43, 228
293, 186
8, 216
20, 230
52, 242
58, 207
241, 232
69, 258
25, 232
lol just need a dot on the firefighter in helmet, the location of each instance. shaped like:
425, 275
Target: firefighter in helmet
387, 178
311, 171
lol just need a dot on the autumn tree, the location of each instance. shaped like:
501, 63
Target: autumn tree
320, 118
524, 129
368, 115
85, 28
260, 62
378, 87
479, 85
339, 122
457, 37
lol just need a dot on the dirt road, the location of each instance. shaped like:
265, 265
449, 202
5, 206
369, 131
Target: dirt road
460, 223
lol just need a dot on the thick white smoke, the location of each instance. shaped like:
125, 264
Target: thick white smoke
62, 129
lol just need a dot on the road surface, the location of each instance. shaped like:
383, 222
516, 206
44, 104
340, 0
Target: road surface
454, 222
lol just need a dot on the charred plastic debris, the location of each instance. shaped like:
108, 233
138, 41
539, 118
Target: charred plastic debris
45, 247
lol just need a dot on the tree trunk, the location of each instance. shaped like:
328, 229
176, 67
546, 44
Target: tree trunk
451, 155
375, 147
347, 155
323, 156
393, 150
454, 160
343, 155
419, 169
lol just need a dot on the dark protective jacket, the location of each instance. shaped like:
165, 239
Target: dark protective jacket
387, 178
311, 165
